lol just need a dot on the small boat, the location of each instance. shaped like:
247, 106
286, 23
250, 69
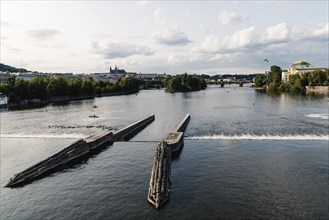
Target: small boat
93, 116
95, 106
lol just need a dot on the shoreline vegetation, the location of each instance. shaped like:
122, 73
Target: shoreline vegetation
55, 89
297, 84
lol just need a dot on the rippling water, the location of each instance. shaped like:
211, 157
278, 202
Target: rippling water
240, 161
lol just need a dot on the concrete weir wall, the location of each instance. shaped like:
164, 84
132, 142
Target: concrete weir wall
128, 132
77, 150
183, 124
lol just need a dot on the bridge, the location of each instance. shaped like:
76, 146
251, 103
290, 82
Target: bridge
229, 82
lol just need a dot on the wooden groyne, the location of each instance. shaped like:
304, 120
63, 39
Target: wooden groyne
159, 189
160, 184
77, 150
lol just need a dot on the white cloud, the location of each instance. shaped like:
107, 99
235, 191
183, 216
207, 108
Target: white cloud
42, 34
231, 18
142, 3
3, 23
131, 62
277, 33
313, 33
321, 32
246, 39
158, 17
211, 44
119, 50
171, 36
178, 59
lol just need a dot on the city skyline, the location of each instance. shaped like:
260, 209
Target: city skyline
213, 37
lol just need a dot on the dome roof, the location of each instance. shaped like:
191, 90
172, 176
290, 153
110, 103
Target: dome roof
301, 63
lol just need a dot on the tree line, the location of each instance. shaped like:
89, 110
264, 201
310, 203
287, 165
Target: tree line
53, 86
297, 83
184, 83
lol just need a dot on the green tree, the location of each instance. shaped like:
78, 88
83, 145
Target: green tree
89, 86
4, 88
21, 89
296, 84
75, 87
129, 84
274, 75
58, 86
260, 80
38, 87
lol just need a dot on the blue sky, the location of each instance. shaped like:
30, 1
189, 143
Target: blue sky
211, 37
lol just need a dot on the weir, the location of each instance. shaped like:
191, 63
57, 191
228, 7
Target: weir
77, 150
160, 184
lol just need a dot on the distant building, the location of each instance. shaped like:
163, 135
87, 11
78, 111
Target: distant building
3, 100
151, 76
105, 77
117, 71
28, 75
299, 67
4, 76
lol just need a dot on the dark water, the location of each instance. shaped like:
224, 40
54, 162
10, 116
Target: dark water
240, 161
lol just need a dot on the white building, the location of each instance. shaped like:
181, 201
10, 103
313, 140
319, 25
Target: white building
151, 76
299, 67
3, 99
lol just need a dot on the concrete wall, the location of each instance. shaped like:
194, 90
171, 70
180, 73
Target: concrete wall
317, 89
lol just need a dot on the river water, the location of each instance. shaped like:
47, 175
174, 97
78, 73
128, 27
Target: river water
246, 155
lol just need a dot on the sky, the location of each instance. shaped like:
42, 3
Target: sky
202, 37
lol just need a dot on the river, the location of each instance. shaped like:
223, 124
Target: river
247, 155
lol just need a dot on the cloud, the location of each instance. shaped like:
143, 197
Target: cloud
246, 39
228, 18
119, 50
42, 34
142, 3
171, 36
277, 33
4, 23
158, 17
321, 31
178, 59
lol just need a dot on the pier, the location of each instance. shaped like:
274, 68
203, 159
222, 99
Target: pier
77, 150
160, 183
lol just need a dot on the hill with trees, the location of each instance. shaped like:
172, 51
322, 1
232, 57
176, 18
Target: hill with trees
10, 69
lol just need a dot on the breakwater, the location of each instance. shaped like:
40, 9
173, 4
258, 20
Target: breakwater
77, 150
160, 183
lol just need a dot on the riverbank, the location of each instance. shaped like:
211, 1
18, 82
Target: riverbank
317, 89
36, 103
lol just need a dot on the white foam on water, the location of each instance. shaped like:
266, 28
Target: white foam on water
66, 136
303, 137
322, 116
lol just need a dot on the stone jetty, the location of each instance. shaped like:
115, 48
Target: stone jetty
77, 150
160, 184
